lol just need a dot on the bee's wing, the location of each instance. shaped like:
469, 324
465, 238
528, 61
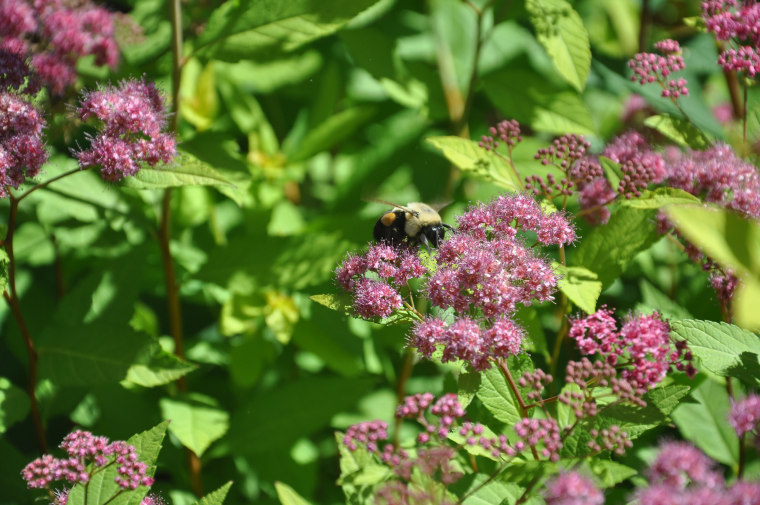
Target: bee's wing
438, 207
386, 202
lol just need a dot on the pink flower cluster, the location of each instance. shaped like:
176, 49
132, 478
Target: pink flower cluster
640, 165
650, 67
744, 416
131, 122
15, 73
682, 474
375, 277
61, 497
54, 34
22, 149
508, 131
572, 488
738, 23
719, 176
86, 454
642, 345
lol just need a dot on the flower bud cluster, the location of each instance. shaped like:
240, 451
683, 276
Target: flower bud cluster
650, 67
54, 35
541, 435
744, 416
612, 439
22, 149
640, 165
88, 454
567, 153
508, 131
642, 346
374, 278
535, 381
15, 73
738, 23
131, 122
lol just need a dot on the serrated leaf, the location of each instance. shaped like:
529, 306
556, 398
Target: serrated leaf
497, 397
609, 249
581, 285
467, 387
469, 157
666, 398
288, 495
185, 170
678, 130
196, 421
238, 30
156, 367
660, 197
611, 170
719, 346
704, 423
216, 497
560, 30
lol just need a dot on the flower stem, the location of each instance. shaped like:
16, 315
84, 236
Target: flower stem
11, 296
49, 181
403, 378
513, 386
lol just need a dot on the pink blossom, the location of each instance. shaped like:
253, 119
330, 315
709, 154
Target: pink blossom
650, 67
22, 149
572, 488
375, 299
745, 415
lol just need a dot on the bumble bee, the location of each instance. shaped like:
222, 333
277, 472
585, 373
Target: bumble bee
416, 222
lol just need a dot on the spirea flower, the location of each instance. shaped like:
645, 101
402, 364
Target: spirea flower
650, 67
594, 198
86, 454
535, 382
367, 433
744, 416
572, 488
15, 73
643, 346
131, 121
22, 148
541, 435
54, 35
640, 165
719, 176
680, 464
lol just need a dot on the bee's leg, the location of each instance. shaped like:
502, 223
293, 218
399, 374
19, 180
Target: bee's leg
424, 240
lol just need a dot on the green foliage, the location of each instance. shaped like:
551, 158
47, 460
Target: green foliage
199, 297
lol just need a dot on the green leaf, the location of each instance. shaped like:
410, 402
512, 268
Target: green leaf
497, 396
719, 346
732, 241
469, 157
560, 30
667, 398
531, 99
468, 385
73, 350
678, 130
185, 170
704, 423
610, 473
332, 131
288, 495
240, 30
102, 487
580, 285
14, 404
340, 302
156, 367
195, 420
612, 171
216, 497
660, 197
609, 249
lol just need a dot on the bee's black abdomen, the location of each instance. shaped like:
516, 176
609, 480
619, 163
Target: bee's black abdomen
392, 233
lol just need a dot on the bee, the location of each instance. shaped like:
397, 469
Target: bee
416, 222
